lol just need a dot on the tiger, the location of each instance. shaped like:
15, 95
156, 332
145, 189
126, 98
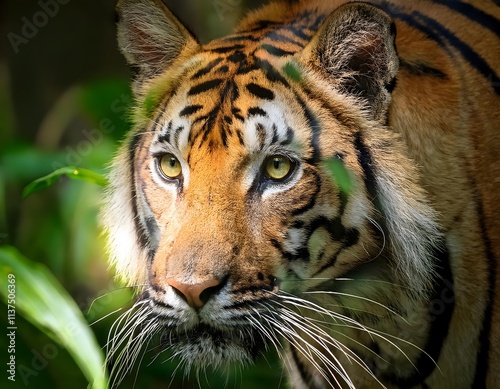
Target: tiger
324, 181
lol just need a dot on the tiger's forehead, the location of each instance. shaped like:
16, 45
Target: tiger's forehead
228, 104
234, 92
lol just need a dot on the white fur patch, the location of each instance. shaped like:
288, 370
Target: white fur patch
118, 220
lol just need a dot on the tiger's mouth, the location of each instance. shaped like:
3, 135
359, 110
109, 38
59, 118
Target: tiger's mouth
205, 345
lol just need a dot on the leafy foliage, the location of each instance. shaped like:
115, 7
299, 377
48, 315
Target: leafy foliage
69, 171
42, 300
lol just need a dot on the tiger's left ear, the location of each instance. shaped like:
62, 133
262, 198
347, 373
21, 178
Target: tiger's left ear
355, 49
151, 38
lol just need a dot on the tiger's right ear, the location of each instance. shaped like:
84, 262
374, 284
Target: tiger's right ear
151, 38
355, 49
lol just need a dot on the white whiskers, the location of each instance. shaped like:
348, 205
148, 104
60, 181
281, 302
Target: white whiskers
322, 337
127, 336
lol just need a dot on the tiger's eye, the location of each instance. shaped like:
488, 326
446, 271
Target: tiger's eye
278, 167
170, 166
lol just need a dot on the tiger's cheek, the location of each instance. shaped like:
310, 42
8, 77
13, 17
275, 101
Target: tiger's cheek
158, 201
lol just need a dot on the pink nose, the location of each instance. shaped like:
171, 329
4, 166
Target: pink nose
196, 295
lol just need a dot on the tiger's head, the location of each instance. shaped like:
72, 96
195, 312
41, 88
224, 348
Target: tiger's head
261, 189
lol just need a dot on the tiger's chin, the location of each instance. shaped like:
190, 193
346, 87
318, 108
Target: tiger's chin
205, 346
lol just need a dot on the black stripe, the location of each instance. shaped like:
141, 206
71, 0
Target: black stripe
208, 126
312, 198
348, 237
261, 134
315, 132
176, 134
305, 375
329, 263
366, 163
315, 129
237, 114
156, 120
204, 86
275, 138
272, 74
260, 91
235, 93
224, 135
482, 361
277, 36
339, 115
276, 51
255, 288
152, 228
277, 245
237, 57
165, 137
443, 293
474, 59
246, 66
256, 111
190, 109
240, 138
160, 303
302, 254
141, 236
422, 69
445, 37
262, 25
235, 38
246, 304
230, 90
223, 69
299, 32
289, 137
207, 69
474, 14
227, 49
208, 120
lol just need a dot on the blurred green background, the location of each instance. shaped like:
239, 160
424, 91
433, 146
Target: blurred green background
64, 97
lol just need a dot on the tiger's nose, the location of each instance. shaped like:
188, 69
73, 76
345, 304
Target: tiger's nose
196, 295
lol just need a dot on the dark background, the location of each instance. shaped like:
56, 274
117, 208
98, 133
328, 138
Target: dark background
61, 75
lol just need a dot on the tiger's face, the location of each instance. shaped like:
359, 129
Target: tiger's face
247, 201
242, 204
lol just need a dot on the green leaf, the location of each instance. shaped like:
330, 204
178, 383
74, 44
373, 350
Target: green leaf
69, 171
340, 174
293, 71
37, 295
